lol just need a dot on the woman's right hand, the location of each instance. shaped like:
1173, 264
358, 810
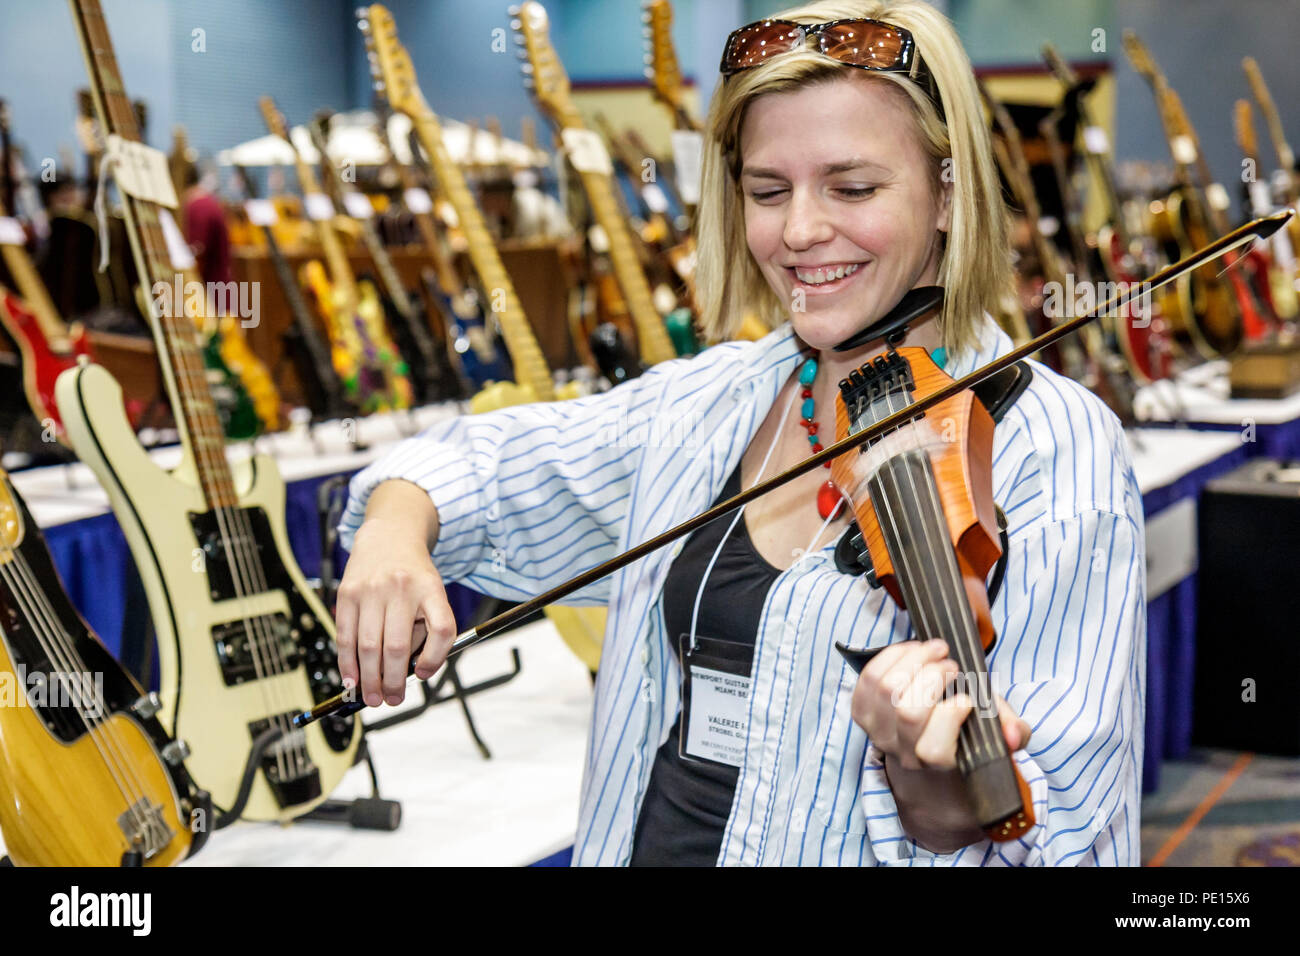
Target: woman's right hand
390, 600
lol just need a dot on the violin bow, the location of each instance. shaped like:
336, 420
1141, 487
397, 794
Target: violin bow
350, 702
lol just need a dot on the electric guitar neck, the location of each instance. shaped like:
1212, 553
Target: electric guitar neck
400, 87
550, 84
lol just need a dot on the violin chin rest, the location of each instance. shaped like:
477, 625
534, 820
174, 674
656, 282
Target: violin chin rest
916, 304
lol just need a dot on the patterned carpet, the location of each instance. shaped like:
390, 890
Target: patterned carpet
1255, 822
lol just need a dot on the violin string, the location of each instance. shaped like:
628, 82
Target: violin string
960, 615
905, 573
928, 598
63, 668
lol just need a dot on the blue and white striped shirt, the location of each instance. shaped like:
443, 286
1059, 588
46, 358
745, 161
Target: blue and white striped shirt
532, 495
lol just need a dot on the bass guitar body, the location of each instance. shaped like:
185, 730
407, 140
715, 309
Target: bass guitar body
88, 776
242, 641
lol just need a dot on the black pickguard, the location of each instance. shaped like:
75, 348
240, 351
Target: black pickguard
248, 531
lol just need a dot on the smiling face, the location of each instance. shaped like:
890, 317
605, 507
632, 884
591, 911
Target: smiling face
843, 208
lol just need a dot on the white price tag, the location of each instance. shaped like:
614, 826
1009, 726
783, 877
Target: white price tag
1096, 141
654, 197
318, 207
418, 200
688, 147
1217, 196
11, 232
178, 249
1184, 150
261, 212
141, 171
447, 213
598, 240
587, 151
358, 206
1261, 200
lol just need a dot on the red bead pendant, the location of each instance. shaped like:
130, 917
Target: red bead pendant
829, 500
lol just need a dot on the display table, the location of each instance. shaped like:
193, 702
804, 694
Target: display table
1198, 398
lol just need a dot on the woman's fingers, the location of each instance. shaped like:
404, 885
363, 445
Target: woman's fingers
936, 747
370, 638
1015, 729
439, 626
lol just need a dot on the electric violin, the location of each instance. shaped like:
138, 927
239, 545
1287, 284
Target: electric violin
921, 488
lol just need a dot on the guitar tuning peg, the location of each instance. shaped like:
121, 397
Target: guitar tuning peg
362, 13
648, 60
520, 40
649, 73
521, 55
513, 10
527, 68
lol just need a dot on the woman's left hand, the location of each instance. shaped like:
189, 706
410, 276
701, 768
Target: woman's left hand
899, 702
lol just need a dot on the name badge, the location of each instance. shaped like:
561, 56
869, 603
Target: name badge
715, 700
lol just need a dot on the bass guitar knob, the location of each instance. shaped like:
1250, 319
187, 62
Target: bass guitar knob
176, 752
148, 705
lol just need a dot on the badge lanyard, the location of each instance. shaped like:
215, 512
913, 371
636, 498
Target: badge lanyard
716, 673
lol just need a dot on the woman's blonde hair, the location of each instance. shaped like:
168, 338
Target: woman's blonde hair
975, 264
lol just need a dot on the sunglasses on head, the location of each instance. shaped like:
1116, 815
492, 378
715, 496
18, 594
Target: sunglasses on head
865, 44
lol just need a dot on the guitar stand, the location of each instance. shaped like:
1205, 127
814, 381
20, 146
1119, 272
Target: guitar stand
434, 695
363, 813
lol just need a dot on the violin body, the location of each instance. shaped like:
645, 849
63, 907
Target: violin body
923, 499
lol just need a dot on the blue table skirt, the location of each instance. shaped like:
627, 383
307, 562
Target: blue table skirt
1271, 441
1171, 634
96, 566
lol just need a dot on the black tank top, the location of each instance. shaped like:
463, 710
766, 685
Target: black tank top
687, 804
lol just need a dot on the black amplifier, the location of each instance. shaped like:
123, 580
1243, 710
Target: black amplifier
1248, 610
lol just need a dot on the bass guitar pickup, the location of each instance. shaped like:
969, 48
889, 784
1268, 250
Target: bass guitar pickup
255, 647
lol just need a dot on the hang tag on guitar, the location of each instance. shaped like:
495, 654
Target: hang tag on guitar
261, 212
318, 207
418, 201
1184, 150
1261, 200
358, 206
178, 250
11, 232
715, 700
688, 147
654, 197
1095, 140
587, 151
141, 171
1217, 197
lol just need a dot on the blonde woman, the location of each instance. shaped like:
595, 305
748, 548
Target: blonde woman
846, 163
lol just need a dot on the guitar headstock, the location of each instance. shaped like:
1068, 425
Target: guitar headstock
1243, 121
1056, 63
1141, 58
543, 73
275, 121
390, 64
661, 61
